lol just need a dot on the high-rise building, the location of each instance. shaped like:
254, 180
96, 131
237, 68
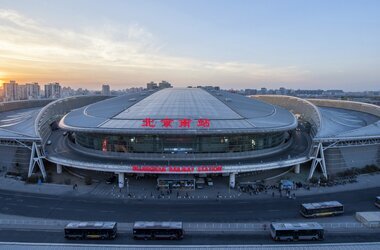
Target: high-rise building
32, 90
21, 92
151, 85
164, 84
53, 90
106, 89
10, 91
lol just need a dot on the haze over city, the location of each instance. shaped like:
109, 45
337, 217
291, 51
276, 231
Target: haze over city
246, 44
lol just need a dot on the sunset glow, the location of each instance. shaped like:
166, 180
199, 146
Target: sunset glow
125, 45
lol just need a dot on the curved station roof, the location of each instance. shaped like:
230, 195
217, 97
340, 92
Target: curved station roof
345, 123
179, 111
19, 123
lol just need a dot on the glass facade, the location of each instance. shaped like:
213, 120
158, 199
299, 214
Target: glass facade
180, 143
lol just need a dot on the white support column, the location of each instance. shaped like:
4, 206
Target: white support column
59, 169
121, 180
297, 168
36, 158
319, 159
232, 180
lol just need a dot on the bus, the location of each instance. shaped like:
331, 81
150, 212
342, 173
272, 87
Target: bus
328, 208
157, 230
91, 230
377, 202
296, 231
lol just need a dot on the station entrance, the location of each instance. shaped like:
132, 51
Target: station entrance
177, 182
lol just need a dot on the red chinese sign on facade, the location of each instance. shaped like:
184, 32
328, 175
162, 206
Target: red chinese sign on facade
177, 169
182, 123
147, 122
167, 123
203, 123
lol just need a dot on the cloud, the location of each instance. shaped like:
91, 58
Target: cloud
34, 49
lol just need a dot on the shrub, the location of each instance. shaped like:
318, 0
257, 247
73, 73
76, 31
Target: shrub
370, 169
349, 172
332, 177
88, 180
12, 173
32, 179
323, 179
313, 180
24, 176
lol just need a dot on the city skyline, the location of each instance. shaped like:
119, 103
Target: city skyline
253, 44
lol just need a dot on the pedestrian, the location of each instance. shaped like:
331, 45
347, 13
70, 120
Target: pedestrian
294, 195
272, 194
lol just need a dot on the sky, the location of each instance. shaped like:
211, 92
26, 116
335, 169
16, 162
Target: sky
328, 44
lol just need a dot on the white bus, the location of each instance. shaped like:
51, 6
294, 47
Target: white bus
296, 231
170, 230
91, 230
327, 208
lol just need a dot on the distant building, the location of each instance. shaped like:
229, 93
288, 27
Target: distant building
250, 92
152, 85
106, 89
22, 92
164, 84
263, 91
32, 90
67, 91
10, 91
52, 90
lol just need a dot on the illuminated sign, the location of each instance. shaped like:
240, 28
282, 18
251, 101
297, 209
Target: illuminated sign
182, 123
176, 169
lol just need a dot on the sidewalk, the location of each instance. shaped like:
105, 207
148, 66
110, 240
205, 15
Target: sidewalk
144, 189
